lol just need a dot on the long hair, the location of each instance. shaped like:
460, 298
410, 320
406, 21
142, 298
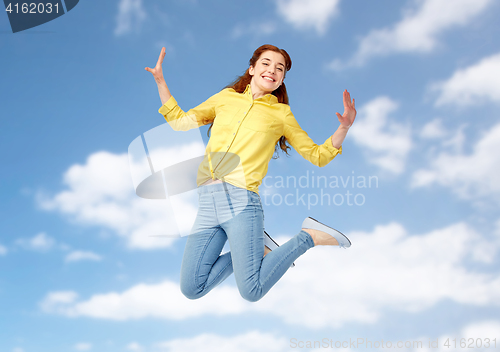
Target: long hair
240, 84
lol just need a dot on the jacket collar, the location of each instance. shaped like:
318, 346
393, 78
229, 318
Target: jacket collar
268, 98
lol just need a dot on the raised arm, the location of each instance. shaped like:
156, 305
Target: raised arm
160, 80
346, 120
322, 154
179, 120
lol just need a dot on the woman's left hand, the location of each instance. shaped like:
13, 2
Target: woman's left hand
347, 119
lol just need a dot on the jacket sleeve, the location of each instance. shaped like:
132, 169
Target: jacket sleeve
179, 120
319, 155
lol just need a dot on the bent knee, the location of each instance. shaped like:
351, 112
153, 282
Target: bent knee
191, 291
251, 296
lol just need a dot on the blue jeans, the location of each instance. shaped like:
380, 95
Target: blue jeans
229, 213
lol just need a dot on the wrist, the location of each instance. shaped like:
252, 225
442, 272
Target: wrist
160, 81
344, 128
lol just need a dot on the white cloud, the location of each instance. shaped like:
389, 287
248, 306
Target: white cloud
470, 86
76, 256
55, 301
304, 14
101, 193
253, 341
418, 30
386, 142
443, 138
83, 346
40, 242
470, 176
455, 141
163, 300
484, 329
433, 130
387, 269
134, 346
17, 349
130, 16
3, 250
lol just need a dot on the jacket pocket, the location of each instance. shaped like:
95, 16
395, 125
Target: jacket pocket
258, 123
225, 116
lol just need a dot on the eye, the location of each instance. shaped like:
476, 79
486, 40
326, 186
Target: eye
280, 69
265, 64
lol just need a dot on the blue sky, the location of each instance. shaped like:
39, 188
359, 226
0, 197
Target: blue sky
80, 268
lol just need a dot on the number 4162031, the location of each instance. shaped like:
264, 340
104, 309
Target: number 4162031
470, 343
32, 8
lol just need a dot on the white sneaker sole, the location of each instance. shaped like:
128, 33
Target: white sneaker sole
310, 223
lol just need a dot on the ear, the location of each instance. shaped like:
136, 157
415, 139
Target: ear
251, 71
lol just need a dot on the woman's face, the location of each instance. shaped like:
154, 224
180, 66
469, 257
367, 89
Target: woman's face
268, 73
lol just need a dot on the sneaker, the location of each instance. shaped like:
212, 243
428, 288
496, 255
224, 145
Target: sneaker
310, 223
271, 244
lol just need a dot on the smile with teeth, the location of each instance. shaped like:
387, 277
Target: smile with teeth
268, 78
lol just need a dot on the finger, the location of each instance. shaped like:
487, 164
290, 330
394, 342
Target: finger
160, 58
353, 103
338, 115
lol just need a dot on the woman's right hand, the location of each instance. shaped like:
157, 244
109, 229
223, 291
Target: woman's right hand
157, 70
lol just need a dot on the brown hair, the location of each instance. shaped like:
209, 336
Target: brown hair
240, 84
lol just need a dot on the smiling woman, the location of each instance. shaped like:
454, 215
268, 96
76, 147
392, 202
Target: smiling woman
250, 118
272, 67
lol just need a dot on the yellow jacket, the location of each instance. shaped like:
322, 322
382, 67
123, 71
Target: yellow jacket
244, 136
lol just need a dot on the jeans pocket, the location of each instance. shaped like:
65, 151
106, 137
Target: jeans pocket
254, 198
239, 195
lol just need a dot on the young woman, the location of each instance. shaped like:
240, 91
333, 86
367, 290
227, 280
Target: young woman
249, 118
